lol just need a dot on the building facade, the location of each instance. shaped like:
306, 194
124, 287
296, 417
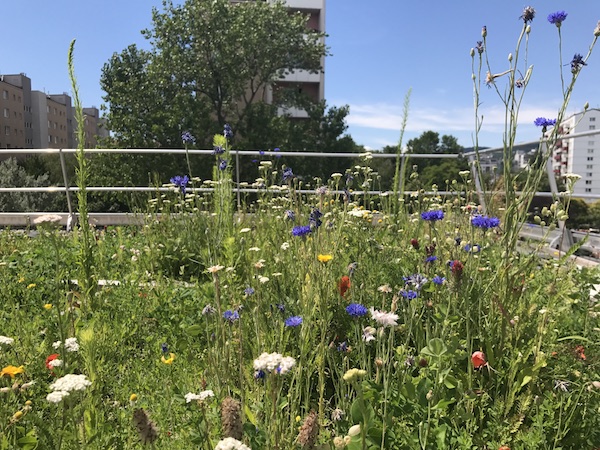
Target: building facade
34, 119
580, 155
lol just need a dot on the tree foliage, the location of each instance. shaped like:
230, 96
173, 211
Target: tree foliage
209, 64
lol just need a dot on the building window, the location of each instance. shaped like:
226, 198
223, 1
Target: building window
588, 181
588, 190
7, 130
590, 150
590, 158
592, 119
47, 108
592, 127
49, 139
589, 166
5, 95
6, 112
590, 142
49, 124
588, 174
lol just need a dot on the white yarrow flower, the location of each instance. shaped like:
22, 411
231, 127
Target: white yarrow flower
6, 340
56, 396
56, 344
55, 363
70, 383
190, 396
230, 443
269, 362
71, 345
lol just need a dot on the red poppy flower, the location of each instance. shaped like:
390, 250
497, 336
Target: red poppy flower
344, 284
478, 360
52, 357
579, 351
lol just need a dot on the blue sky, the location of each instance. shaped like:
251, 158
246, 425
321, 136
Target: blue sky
379, 50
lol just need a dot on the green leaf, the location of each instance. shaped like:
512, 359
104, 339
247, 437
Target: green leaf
435, 348
194, 330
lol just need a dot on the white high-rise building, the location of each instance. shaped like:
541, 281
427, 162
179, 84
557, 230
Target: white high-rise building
580, 155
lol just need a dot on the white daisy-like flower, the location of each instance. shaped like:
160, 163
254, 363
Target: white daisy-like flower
386, 289
259, 264
383, 318
254, 249
286, 364
71, 382
274, 362
56, 344
6, 340
230, 443
71, 345
215, 269
263, 280
245, 230
285, 246
56, 396
369, 334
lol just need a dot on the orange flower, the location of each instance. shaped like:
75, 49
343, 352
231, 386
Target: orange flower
579, 351
344, 284
504, 447
11, 371
478, 360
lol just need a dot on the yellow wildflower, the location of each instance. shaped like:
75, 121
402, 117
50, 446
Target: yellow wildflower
11, 371
133, 398
48, 306
31, 286
324, 258
168, 360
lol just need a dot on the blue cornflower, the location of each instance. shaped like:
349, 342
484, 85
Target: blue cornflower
259, 374
218, 150
349, 178
432, 216
457, 240
342, 347
164, 347
188, 138
280, 307
261, 152
475, 248
408, 294
352, 267
293, 321
543, 122
431, 259
227, 131
577, 63
314, 219
356, 310
231, 316
276, 150
290, 215
438, 280
287, 175
222, 164
181, 182
479, 47
417, 281
485, 222
557, 18
249, 291
301, 230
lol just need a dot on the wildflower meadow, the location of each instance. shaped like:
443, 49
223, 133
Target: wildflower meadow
410, 319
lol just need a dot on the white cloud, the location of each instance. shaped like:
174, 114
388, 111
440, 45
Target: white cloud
382, 116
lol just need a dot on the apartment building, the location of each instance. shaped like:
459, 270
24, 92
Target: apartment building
580, 155
310, 84
34, 119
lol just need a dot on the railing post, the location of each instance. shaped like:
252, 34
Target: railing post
63, 166
237, 179
566, 239
477, 180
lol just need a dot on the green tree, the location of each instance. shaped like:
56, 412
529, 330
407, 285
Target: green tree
210, 62
433, 170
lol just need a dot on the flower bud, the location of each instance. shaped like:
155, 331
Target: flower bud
484, 31
528, 29
510, 57
354, 430
586, 106
472, 52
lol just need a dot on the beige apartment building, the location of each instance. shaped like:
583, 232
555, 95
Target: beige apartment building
310, 84
34, 119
